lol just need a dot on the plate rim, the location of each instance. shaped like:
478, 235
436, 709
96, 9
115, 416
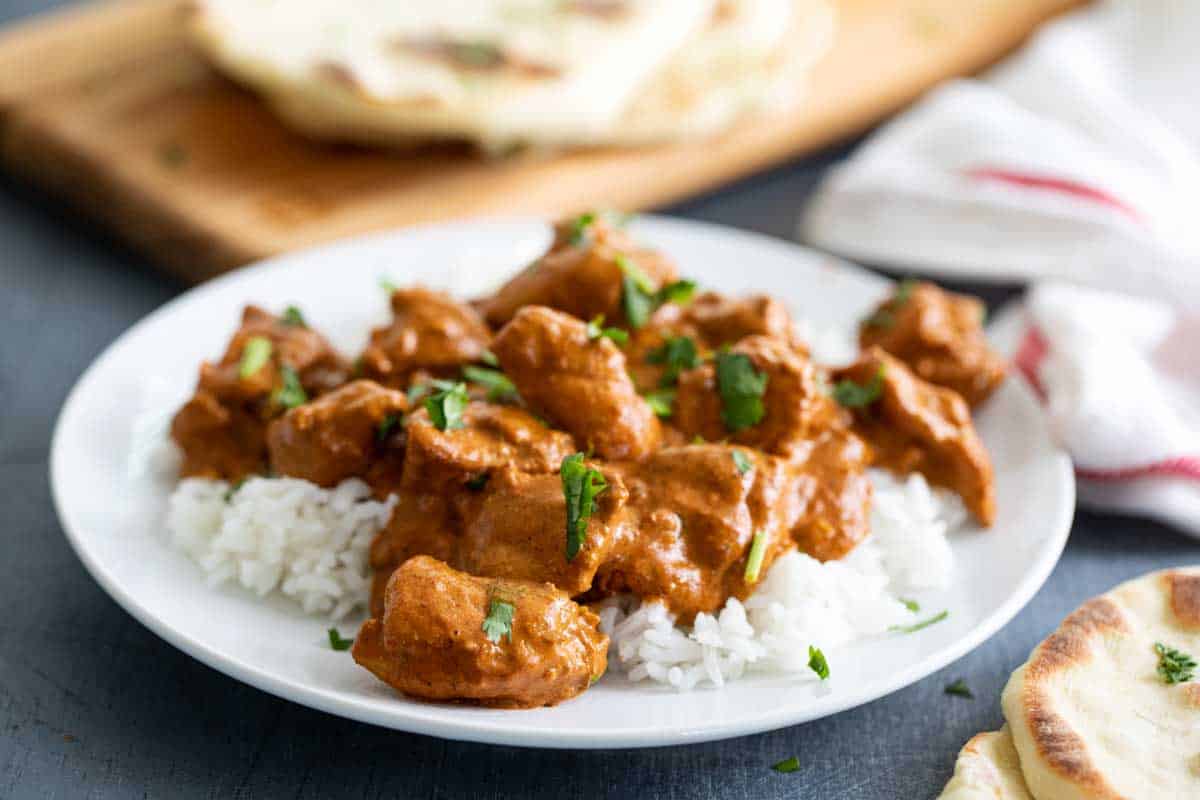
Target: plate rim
543, 736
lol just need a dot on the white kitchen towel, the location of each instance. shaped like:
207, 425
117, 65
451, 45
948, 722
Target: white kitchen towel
1075, 163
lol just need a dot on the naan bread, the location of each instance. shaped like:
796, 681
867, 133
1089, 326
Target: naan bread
987, 769
509, 72
1090, 715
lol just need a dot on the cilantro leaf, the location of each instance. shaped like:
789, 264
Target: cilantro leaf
758, 549
446, 407
854, 395
661, 401
742, 462
581, 484
917, 626
637, 292
388, 286
911, 605
499, 387
680, 292
580, 227
904, 290
678, 353
489, 358
1174, 666
817, 662
255, 355
787, 765
291, 393
386, 426
498, 622
960, 689
596, 330
292, 316
336, 642
742, 388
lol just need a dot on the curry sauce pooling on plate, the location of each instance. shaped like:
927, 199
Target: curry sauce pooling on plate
599, 425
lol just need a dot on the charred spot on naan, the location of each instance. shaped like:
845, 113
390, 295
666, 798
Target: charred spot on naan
478, 57
1057, 742
1183, 589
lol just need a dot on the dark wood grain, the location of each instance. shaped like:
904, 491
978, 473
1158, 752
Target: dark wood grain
110, 108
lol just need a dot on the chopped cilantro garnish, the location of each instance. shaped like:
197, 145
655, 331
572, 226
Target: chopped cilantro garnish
292, 316
232, 490
742, 388
678, 292
489, 358
661, 401
758, 549
255, 355
388, 286
637, 292
904, 290
580, 226
499, 387
580, 485
917, 626
960, 689
678, 353
911, 605
787, 765
698, 439
1174, 666
290, 394
596, 330
742, 462
416, 392
386, 426
817, 662
855, 395
498, 622
446, 407
336, 641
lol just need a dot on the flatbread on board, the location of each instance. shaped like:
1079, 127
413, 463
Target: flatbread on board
505, 72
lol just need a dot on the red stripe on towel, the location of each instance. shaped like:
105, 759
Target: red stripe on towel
1050, 184
1030, 355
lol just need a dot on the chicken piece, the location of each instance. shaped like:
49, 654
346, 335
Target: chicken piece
710, 321
915, 426
519, 531
430, 331
354, 431
837, 492
939, 335
445, 473
492, 436
538, 648
222, 429
696, 515
579, 275
580, 384
795, 409
420, 525
719, 320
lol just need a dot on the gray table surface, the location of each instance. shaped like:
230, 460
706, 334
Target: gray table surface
94, 705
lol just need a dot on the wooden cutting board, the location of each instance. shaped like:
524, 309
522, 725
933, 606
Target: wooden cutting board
107, 106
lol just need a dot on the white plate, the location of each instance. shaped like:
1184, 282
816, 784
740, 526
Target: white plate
113, 516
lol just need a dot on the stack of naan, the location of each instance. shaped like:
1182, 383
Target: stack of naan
516, 72
1106, 708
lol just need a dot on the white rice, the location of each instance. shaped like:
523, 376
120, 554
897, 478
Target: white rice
282, 535
801, 601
